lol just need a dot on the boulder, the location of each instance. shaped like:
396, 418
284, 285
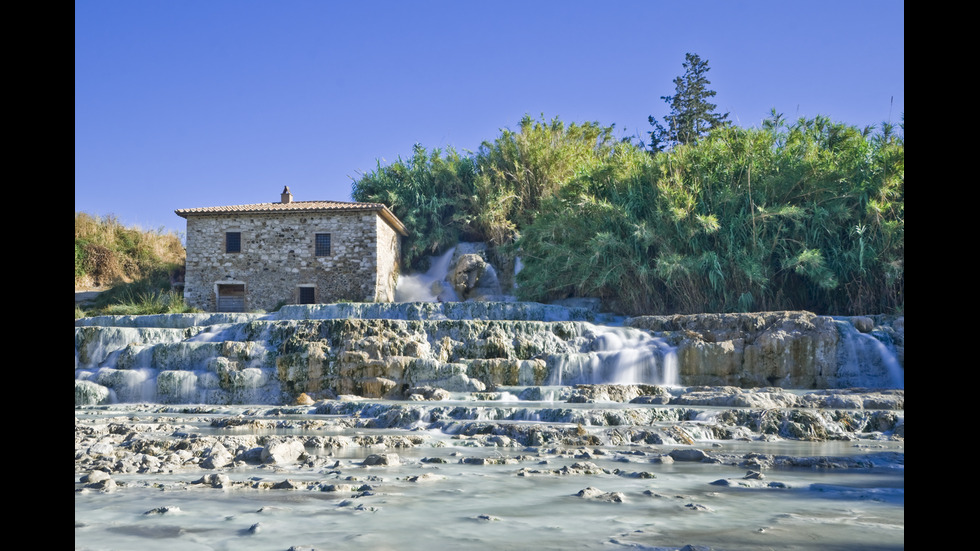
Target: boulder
218, 457
599, 495
426, 393
215, 480
304, 400
282, 451
688, 454
381, 460
471, 276
88, 393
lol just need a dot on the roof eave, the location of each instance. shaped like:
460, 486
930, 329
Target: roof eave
381, 209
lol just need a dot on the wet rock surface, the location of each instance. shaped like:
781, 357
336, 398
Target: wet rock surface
385, 350
784, 349
368, 457
356, 425
155, 439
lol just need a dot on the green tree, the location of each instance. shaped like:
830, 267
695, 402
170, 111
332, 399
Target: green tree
432, 193
691, 114
521, 169
806, 215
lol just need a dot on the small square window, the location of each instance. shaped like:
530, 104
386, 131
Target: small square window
323, 244
307, 295
233, 242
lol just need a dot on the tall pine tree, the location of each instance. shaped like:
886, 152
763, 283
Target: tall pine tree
691, 114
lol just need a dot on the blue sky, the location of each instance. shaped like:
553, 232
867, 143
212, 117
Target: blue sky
183, 104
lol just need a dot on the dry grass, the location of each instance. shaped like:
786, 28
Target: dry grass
108, 253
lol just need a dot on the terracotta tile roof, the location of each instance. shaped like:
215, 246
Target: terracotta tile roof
298, 207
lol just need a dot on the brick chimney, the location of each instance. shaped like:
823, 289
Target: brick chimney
287, 197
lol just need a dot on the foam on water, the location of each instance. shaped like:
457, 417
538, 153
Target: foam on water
619, 355
867, 359
430, 286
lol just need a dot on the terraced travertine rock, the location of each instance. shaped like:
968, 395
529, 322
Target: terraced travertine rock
784, 349
383, 350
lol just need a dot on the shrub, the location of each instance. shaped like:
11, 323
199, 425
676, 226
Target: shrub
137, 266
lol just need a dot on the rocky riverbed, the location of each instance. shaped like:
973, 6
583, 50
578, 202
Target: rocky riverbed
482, 425
592, 466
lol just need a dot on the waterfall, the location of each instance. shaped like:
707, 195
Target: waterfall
430, 286
376, 350
867, 359
619, 355
129, 385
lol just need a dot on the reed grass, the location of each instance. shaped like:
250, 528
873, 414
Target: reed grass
806, 216
803, 215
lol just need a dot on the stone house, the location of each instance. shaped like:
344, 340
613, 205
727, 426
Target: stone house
254, 257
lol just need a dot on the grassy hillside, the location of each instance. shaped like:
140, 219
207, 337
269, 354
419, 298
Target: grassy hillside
134, 268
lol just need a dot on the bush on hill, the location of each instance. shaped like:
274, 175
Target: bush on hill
135, 269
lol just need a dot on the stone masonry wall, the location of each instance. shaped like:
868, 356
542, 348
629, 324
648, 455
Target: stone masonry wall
389, 256
278, 257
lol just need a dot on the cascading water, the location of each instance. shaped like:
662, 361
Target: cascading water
430, 286
543, 467
867, 359
619, 355
475, 345
374, 349
177, 364
501, 432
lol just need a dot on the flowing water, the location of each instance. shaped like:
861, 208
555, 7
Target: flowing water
867, 358
451, 491
430, 286
539, 467
620, 355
